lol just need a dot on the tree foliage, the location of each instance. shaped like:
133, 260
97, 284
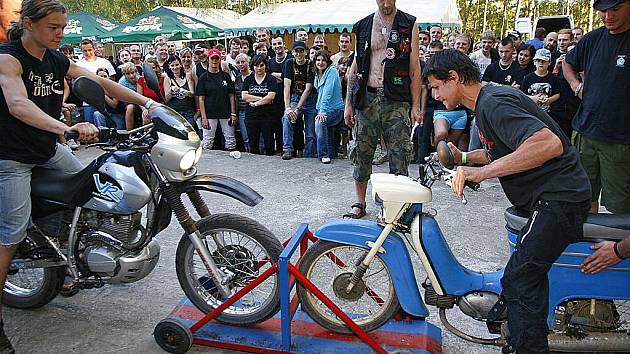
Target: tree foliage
500, 15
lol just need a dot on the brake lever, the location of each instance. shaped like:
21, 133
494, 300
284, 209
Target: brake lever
448, 179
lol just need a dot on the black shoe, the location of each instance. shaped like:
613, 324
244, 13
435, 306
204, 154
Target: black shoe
5, 343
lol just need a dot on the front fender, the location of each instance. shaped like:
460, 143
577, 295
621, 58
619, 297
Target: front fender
396, 257
223, 185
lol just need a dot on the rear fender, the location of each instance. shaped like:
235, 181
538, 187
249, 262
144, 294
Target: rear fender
396, 257
222, 185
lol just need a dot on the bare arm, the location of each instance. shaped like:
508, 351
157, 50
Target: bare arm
605, 255
571, 76
233, 104
250, 98
17, 98
416, 77
111, 87
167, 87
539, 148
267, 99
307, 91
287, 93
348, 112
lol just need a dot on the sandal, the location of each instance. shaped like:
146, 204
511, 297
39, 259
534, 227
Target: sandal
359, 215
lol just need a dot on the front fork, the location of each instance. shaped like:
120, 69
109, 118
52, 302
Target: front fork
365, 263
173, 198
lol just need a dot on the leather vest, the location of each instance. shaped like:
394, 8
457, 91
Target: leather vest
396, 80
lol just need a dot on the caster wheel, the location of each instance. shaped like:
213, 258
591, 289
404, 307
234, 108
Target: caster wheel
173, 336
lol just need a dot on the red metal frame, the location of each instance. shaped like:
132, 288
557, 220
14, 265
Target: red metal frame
293, 275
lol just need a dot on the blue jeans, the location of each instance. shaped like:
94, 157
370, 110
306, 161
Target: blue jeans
118, 118
15, 192
89, 116
326, 146
241, 124
307, 114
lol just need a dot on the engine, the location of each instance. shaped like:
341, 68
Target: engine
107, 247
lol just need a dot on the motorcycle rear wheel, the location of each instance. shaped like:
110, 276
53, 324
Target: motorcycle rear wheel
329, 266
247, 250
32, 288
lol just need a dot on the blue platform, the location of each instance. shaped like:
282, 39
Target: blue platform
405, 336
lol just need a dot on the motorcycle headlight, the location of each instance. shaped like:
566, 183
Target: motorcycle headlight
188, 160
198, 154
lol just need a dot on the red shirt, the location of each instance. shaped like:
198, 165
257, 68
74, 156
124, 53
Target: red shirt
147, 92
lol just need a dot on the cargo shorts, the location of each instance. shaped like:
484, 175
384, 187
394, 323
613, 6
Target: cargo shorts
608, 168
381, 116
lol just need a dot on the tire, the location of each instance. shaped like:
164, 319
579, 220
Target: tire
173, 336
48, 281
331, 278
237, 234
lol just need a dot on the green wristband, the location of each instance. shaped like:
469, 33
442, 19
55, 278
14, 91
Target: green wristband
464, 158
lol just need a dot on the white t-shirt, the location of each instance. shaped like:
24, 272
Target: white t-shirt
92, 66
481, 60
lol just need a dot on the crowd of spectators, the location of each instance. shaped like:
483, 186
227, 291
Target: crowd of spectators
264, 98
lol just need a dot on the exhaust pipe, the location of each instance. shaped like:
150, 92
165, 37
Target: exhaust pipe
616, 342
498, 341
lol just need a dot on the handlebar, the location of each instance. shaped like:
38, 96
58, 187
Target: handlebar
71, 134
110, 137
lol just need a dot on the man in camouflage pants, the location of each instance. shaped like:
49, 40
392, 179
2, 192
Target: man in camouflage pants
384, 84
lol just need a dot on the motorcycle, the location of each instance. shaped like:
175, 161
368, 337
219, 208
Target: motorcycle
365, 268
89, 230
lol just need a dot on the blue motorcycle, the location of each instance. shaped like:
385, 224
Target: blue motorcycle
366, 269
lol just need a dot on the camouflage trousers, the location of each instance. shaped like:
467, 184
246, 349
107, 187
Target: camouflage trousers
381, 117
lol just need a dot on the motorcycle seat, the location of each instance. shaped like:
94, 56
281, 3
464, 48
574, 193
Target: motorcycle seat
59, 186
598, 227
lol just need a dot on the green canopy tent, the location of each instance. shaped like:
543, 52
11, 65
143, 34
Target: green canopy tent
82, 25
161, 21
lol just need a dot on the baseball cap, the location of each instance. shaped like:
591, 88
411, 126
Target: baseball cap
214, 53
299, 45
603, 5
200, 48
514, 33
543, 54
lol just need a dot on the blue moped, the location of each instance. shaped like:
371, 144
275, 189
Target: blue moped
366, 269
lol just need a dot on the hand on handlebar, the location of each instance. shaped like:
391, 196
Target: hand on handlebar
85, 132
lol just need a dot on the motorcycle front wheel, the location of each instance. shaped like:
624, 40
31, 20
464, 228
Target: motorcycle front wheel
33, 287
329, 266
240, 246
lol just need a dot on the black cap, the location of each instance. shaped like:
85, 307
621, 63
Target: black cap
603, 5
199, 47
299, 45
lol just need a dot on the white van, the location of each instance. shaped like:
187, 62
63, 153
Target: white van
549, 23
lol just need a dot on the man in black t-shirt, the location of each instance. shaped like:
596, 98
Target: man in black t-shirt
299, 103
276, 69
603, 119
505, 71
540, 174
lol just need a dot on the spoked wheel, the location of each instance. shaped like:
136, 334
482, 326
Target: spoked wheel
329, 266
32, 288
173, 336
241, 247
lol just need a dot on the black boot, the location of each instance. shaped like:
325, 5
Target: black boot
5, 343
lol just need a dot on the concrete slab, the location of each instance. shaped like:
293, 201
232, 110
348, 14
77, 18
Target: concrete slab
120, 319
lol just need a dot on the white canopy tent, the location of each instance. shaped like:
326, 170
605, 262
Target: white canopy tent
219, 18
339, 15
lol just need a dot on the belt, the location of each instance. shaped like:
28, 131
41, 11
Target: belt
377, 90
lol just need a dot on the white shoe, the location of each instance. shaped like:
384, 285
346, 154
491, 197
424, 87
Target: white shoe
326, 160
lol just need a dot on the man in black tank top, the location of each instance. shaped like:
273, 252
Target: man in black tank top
32, 73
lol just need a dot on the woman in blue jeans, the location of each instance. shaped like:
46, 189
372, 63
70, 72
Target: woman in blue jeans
329, 105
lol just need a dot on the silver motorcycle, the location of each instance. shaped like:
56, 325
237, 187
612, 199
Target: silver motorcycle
98, 226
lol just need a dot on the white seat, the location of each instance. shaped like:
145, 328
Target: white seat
399, 189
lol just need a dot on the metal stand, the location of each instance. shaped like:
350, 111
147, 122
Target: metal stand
175, 336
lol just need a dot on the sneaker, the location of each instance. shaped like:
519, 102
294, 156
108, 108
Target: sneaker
72, 144
299, 153
287, 155
380, 159
5, 343
326, 160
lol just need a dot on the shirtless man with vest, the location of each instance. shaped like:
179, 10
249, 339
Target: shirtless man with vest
384, 84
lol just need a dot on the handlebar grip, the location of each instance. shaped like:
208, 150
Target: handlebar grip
71, 134
472, 185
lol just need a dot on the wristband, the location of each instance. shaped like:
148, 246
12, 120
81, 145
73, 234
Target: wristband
617, 251
148, 104
464, 158
233, 114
